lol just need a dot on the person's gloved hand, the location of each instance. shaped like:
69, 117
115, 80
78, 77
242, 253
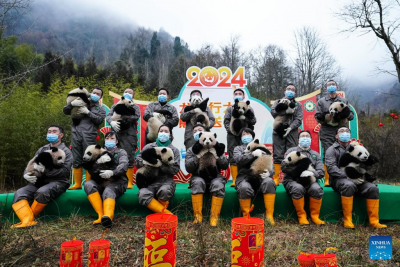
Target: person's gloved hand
358, 181
265, 174
306, 174
83, 110
30, 178
115, 125
161, 117
107, 174
39, 167
287, 131
78, 103
290, 111
103, 159
258, 153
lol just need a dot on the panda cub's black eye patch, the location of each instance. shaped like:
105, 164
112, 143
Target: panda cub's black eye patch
289, 159
359, 154
89, 153
60, 157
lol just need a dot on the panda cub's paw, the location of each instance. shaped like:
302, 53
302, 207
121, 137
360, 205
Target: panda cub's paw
103, 159
197, 110
306, 174
242, 117
258, 153
265, 174
158, 164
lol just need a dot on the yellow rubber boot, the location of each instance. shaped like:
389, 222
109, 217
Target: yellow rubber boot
108, 209
347, 206
216, 205
326, 177
315, 208
245, 205
373, 213
129, 174
234, 173
97, 204
87, 176
197, 203
37, 208
77, 172
269, 202
277, 171
164, 203
157, 207
24, 214
301, 213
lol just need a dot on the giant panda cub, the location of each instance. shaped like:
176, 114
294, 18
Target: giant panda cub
90, 157
154, 124
261, 163
208, 150
297, 163
50, 159
82, 94
338, 114
240, 111
356, 162
153, 158
282, 122
200, 107
123, 109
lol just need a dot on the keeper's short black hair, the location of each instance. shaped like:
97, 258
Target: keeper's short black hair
112, 133
58, 126
98, 88
247, 130
331, 80
239, 89
305, 131
201, 125
164, 90
337, 131
196, 91
291, 85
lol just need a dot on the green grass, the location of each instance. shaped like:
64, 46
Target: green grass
198, 245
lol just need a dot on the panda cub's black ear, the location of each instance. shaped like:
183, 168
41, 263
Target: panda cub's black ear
122, 98
200, 134
248, 102
54, 149
98, 147
81, 87
164, 150
351, 148
342, 105
257, 141
215, 135
298, 153
236, 100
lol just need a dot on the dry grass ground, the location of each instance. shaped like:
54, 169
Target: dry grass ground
197, 245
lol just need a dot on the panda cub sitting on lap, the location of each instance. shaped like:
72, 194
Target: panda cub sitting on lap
300, 167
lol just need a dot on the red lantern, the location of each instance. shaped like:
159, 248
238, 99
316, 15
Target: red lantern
326, 260
97, 138
99, 253
160, 240
306, 259
380, 124
392, 115
247, 242
71, 253
396, 117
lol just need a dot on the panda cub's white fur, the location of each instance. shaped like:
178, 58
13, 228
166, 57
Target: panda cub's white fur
263, 161
81, 94
338, 114
51, 158
127, 103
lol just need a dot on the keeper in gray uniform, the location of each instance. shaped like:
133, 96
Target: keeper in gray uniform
296, 190
327, 132
198, 185
84, 134
187, 116
157, 195
111, 184
127, 138
247, 190
53, 182
290, 138
348, 188
162, 104
233, 140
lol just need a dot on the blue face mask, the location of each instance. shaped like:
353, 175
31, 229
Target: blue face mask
289, 94
128, 96
52, 138
305, 141
196, 136
110, 144
94, 97
247, 139
163, 137
162, 98
238, 98
331, 89
344, 137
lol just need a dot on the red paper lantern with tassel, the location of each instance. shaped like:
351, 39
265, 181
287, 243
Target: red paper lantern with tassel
71, 253
396, 117
99, 252
306, 259
326, 260
392, 115
380, 124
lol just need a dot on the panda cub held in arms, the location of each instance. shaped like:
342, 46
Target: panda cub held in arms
261, 163
208, 150
81, 94
153, 158
282, 122
338, 114
50, 159
200, 107
92, 154
300, 168
155, 122
240, 112
122, 110
357, 161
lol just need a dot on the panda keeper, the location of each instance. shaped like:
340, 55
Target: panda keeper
233, 140
103, 197
85, 133
289, 139
186, 116
128, 138
327, 132
244, 188
198, 185
162, 104
56, 182
296, 190
348, 188
156, 196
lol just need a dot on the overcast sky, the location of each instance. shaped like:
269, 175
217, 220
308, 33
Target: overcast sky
259, 23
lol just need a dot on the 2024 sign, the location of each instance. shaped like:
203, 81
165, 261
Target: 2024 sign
211, 77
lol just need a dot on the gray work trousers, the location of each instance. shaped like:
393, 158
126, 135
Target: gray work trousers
128, 143
112, 190
217, 186
233, 141
42, 194
245, 190
163, 189
281, 145
296, 190
347, 188
327, 135
80, 141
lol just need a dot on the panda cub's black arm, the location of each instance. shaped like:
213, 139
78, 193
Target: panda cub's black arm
220, 149
235, 113
188, 108
203, 105
197, 148
249, 114
150, 155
